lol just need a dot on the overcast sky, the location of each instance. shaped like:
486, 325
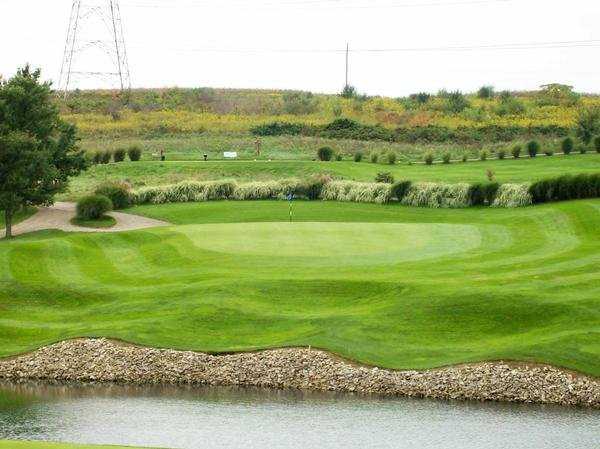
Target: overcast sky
298, 44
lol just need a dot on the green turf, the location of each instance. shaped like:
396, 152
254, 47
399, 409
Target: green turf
43, 445
387, 285
102, 223
509, 170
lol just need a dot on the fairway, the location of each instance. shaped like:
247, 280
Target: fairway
392, 286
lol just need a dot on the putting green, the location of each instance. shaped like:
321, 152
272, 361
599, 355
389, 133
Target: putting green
388, 285
351, 243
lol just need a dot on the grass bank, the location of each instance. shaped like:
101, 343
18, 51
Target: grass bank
391, 286
149, 173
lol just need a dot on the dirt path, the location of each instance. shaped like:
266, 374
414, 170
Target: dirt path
59, 217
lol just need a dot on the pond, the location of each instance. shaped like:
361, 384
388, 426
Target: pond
207, 418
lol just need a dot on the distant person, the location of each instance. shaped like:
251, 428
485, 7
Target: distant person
162, 155
257, 146
205, 157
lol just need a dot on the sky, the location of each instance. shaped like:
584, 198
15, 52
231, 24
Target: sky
398, 47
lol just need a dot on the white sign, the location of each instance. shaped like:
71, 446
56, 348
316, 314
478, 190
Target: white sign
230, 155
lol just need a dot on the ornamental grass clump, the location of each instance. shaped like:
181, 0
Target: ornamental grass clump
436, 195
358, 156
119, 155
358, 192
188, 191
135, 153
446, 158
93, 207
513, 195
516, 151
325, 153
428, 158
385, 177
119, 193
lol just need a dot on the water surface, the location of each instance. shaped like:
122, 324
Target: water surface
208, 418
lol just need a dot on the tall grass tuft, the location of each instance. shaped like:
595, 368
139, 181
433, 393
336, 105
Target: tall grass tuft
359, 192
436, 195
513, 195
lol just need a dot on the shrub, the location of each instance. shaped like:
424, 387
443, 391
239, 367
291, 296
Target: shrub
325, 153
437, 195
446, 158
97, 157
516, 151
456, 102
358, 156
391, 158
582, 149
597, 144
118, 193
428, 158
93, 207
400, 189
533, 148
588, 124
339, 157
482, 193
513, 195
359, 192
567, 145
119, 155
280, 129
105, 157
374, 157
465, 157
566, 187
486, 92
484, 155
384, 177
135, 153
549, 152
501, 154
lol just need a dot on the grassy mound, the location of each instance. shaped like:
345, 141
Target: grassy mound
104, 222
387, 285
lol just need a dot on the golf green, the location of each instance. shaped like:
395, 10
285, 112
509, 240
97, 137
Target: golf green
393, 286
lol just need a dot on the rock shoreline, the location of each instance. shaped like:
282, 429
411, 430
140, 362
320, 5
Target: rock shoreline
101, 360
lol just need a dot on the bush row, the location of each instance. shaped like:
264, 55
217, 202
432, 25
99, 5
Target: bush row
436, 195
350, 129
566, 187
104, 157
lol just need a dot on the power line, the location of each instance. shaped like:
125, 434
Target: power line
492, 47
321, 4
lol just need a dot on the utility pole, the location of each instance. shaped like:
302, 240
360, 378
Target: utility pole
95, 46
347, 61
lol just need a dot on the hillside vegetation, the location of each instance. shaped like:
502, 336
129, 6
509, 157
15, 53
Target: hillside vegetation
216, 120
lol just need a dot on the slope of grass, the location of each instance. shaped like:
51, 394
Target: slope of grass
386, 285
44, 445
154, 173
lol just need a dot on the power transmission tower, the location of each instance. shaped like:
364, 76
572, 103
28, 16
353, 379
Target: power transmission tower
95, 47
